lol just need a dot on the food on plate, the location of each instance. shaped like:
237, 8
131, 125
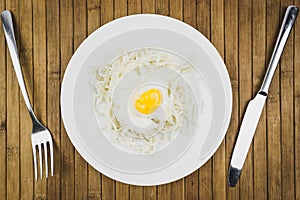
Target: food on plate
148, 102
141, 101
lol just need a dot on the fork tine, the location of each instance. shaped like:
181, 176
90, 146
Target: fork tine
34, 161
41, 160
51, 155
46, 158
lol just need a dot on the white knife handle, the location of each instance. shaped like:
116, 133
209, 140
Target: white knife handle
286, 27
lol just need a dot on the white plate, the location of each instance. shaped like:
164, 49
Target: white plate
108, 42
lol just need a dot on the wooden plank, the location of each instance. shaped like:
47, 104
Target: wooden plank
67, 149
205, 172
273, 108
80, 31
245, 88
176, 10
26, 59
287, 114
136, 192
120, 8
108, 185
203, 17
3, 111
40, 84
162, 7
191, 187
94, 177
13, 122
134, 7
297, 103
122, 191
164, 192
188, 188
259, 66
231, 60
189, 12
217, 38
179, 188
108, 188
53, 91
150, 192
148, 7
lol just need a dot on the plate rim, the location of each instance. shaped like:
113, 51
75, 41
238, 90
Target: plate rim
69, 124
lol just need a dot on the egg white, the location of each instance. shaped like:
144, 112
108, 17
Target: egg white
150, 124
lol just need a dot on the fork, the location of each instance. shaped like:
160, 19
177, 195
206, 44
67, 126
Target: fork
40, 136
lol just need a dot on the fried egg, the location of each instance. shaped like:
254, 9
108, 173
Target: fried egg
147, 105
148, 101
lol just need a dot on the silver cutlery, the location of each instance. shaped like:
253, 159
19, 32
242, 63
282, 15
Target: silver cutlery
256, 105
41, 136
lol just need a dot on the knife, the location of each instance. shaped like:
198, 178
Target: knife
256, 105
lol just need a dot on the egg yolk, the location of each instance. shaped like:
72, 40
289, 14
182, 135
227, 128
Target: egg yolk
148, 102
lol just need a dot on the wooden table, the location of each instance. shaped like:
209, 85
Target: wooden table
48, 32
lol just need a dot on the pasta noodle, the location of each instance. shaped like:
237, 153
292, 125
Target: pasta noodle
106, 78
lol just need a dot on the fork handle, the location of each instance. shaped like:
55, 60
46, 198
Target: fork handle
8, 28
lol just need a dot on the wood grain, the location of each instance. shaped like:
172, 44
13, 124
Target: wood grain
162, 7
13, 120
244, 33
148, 7
67, 149
3, 111
40, 84
53, 91
26, 60
122, 191
164, 192
232, 63
297, 104
273, 108
245, 88
217, 38
150, 193
287, 114
259, 68
134, 7
120, 8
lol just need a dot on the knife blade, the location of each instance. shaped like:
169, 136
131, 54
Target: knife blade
256, 105
247, 130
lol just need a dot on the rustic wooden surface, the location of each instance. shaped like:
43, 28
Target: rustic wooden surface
48, 32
